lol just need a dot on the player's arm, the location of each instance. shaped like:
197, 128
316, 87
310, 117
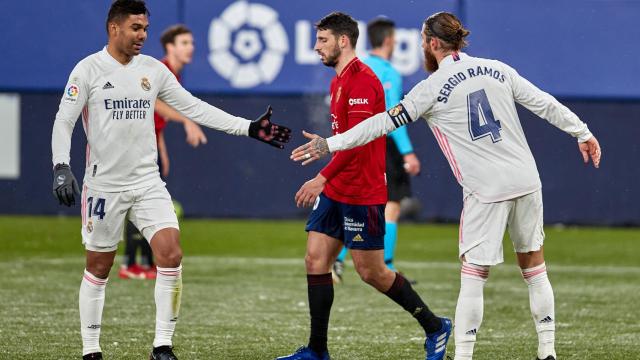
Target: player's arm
195, 136
74, 98
163, 153
262, 129
417, 103
307, 194
547, 107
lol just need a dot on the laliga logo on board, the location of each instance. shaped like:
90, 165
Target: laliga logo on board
247, 44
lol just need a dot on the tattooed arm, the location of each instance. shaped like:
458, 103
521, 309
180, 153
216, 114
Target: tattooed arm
315, 149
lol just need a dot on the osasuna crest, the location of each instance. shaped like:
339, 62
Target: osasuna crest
146, 85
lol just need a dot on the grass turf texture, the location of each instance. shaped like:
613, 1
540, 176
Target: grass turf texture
245, 295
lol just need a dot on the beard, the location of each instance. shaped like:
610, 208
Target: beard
331, 60
430, 62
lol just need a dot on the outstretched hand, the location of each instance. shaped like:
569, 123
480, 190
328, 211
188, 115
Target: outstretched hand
311, 151
591, 149
264, 130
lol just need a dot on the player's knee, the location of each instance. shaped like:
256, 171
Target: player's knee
530, 259
169, 258
315, 263
100, 269
369, 275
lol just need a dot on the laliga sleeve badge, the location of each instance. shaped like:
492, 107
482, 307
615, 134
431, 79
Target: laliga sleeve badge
146, 85
89, 226
71, 94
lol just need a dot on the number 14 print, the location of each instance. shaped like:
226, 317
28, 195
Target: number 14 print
98, 210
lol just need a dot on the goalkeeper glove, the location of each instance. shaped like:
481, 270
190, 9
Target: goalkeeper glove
264, 130
65, 185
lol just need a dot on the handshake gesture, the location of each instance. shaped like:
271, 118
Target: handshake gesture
264, 130
65, 186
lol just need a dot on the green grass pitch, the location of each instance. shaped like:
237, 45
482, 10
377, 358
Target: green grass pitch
245, 295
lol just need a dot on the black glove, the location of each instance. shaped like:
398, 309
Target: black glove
264, 130
65, 185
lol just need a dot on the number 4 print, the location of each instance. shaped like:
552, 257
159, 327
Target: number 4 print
481, 120
98, 210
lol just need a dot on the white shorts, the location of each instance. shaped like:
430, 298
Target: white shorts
150, 209
482, 227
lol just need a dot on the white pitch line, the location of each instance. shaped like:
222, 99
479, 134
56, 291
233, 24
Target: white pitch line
208, 260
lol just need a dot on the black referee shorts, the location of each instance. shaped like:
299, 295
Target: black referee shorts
398, 181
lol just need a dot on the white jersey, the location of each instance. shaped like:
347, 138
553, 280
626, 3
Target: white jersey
117, 104
469, 104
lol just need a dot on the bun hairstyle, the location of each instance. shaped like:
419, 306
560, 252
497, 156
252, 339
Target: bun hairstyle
448, 28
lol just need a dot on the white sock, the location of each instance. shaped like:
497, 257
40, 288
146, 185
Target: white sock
542, 308
469, 309
91, 302
168, 293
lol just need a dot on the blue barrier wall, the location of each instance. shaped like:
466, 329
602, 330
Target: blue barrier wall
578, 50
240, 177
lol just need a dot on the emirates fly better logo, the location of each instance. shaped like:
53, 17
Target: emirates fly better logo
247, 44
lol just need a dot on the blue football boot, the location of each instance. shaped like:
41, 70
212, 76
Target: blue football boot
305, 353
436, 344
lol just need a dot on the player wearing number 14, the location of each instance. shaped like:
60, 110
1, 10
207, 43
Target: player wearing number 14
115, 90
469, 104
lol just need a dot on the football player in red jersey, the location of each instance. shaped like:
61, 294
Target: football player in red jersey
348, 198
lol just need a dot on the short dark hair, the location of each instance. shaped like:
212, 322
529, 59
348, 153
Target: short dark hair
123, 8
379, 29
340, 24
448, 28
169, 35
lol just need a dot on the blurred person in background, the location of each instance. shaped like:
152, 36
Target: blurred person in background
401, 160
115, 90
469, 104
178, 45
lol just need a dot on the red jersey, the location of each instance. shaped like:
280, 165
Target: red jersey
159, 121
356, 176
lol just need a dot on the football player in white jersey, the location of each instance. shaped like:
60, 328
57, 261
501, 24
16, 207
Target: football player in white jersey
115, 89
469, 104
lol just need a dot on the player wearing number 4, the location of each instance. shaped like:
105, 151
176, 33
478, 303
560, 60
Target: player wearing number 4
469, 104
115, 89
